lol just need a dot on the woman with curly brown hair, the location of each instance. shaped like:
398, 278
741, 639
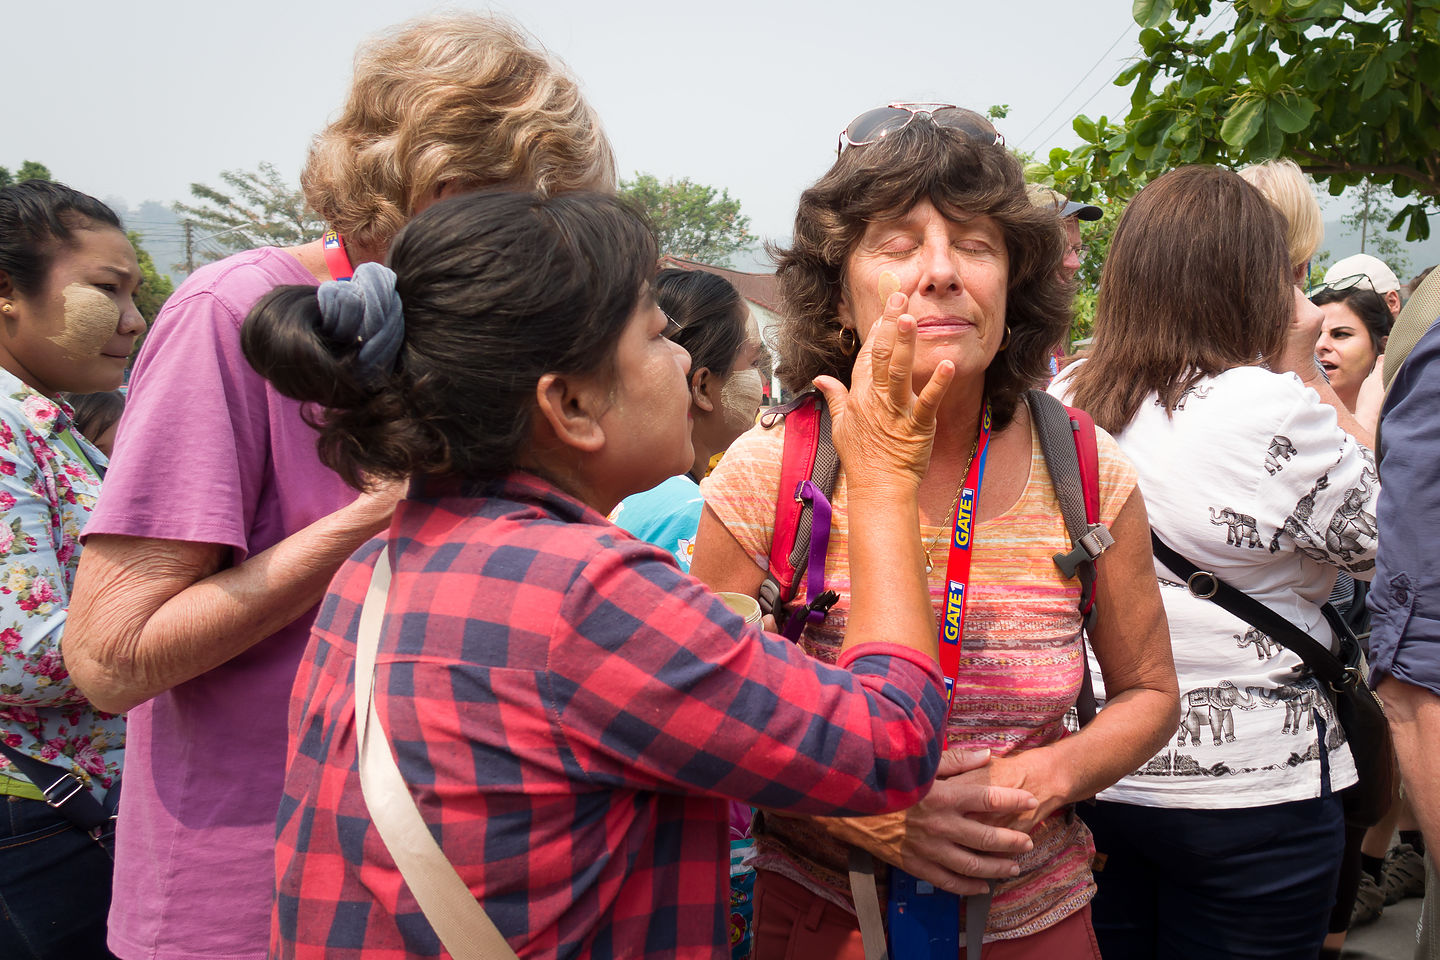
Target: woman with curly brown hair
221, 528
925, 211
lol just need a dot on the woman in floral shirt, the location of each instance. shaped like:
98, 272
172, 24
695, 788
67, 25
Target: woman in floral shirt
68, 321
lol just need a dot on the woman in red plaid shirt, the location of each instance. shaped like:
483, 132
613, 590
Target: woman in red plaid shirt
569, 709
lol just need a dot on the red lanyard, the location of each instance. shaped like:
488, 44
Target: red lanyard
957, 568
337, 261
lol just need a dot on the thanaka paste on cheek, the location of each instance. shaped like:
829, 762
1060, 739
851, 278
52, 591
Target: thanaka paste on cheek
740, 398
91, 319
889, 283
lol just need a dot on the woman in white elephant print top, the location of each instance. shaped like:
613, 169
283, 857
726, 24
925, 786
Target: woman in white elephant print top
1248, 470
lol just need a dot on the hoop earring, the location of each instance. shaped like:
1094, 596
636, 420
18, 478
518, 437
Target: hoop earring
1006, 342
849, 342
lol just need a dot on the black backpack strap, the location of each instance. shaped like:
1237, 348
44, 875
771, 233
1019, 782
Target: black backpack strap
63, 790
1058, 443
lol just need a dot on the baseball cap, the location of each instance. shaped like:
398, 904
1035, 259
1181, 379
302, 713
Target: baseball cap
1359, 268
1042, 196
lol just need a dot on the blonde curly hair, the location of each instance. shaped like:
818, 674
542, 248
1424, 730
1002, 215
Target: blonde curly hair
450, 98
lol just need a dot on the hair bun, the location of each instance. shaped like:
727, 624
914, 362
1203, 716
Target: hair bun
365, 310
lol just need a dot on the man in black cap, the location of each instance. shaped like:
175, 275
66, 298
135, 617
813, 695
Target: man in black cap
1070, 213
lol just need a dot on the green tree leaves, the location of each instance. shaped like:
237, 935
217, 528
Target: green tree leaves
259, 209
691, 220
1349, 89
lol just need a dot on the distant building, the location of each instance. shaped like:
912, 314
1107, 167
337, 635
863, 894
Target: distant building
761, 292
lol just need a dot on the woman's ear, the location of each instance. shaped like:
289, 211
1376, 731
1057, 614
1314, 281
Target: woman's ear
1383, 341
571, 407
702, 386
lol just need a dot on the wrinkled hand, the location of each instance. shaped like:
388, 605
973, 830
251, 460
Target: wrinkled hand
373, 508
1031, 771
882, 429
1371, 396
944, 839
1298, 354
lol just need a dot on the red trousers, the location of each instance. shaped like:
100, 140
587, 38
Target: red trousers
791, 923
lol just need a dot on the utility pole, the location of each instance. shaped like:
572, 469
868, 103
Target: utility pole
189, 248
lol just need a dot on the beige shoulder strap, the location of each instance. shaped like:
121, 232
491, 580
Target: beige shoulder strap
456, 916
1418, 314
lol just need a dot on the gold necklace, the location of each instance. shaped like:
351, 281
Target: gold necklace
948, 521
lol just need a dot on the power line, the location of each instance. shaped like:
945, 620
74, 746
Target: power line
1208, 27
1093, 67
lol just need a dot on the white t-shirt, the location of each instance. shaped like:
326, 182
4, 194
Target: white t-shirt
1252, 478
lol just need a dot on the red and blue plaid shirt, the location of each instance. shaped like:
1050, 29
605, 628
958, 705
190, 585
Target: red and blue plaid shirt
569, 710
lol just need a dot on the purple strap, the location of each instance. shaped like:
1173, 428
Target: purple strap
809, 492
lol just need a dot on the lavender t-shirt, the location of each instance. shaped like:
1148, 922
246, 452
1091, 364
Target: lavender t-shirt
207, 451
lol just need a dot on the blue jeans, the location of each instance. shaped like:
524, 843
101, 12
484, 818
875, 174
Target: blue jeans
1190, 884
54, 885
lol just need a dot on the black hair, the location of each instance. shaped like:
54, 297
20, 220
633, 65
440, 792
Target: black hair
37, 217
96, 412
710, 313
498, 289
1368, 305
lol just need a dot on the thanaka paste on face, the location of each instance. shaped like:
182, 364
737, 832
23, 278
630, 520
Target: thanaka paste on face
889, 283
91, 320
740, 398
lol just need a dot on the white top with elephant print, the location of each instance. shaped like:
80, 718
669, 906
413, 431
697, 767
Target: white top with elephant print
1250, 477
47, 492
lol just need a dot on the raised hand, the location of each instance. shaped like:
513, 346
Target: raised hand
882, 429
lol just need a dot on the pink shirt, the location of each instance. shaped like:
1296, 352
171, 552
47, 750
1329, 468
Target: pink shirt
207, 451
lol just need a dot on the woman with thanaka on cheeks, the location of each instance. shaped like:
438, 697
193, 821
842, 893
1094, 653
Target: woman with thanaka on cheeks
197, 594
576, 707
717, 329
68, 322
925, 214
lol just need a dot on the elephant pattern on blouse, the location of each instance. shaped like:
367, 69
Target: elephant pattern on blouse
1241, 530
1281, 449
1210, 707
1265, 648
1352, 528
1198, 392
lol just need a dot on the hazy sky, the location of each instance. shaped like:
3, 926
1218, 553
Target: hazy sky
137, 100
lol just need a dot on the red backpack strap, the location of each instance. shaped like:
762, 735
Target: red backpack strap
797, 462
809, 467
1087, 449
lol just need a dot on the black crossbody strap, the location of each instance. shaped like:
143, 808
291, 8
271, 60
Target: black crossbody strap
1204, 584
63, 790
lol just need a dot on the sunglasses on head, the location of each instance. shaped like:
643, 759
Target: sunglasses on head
874, 125
1343, 283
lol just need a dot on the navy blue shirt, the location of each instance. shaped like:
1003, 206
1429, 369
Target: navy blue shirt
1405, 594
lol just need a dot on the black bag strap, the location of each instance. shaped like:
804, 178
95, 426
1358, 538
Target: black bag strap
1205, 585
64, 791
1058, 440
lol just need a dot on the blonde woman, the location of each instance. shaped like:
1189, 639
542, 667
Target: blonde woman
208, 555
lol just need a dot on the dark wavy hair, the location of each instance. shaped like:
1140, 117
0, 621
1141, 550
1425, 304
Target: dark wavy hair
1368, 305
1197, 281
710, 313
882, 181
498, 289
37, 218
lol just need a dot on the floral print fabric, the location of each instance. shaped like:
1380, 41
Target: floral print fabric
46, 495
